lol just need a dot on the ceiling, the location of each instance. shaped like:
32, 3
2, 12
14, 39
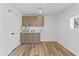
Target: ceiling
48, 9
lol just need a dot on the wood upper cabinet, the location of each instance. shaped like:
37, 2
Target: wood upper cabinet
39, 21
26, 21
33, 21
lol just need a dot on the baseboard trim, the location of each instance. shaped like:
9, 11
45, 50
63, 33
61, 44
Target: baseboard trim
13, 50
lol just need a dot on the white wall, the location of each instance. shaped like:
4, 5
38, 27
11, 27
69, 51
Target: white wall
8, 23
49, 30
66, 36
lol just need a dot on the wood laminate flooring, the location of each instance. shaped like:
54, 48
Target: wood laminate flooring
41, 49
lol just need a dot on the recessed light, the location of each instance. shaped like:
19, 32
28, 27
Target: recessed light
40, 10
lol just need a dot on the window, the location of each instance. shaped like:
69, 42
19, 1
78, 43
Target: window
74, 22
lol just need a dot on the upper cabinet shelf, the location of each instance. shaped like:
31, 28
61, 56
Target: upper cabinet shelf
35, 21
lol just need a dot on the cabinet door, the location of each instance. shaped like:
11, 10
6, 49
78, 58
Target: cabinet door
39, 21
26, 21
26, 38
36, 38
32, 21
